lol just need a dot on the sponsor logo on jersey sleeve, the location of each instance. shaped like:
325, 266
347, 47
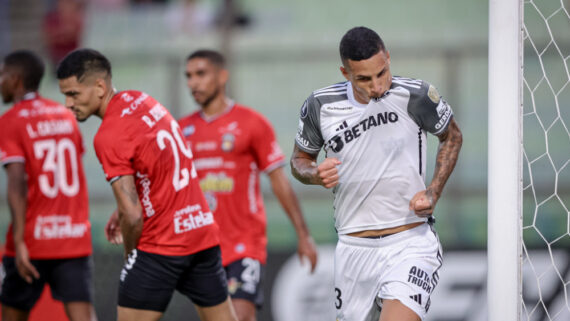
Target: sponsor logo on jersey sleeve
276, 152
145, 199
301, 140
444, 113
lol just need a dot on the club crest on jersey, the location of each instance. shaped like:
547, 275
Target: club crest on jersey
228, 142
304, 110
188, 130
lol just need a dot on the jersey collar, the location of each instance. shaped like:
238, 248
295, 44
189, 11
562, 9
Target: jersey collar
351, 99
30, 96
229, 106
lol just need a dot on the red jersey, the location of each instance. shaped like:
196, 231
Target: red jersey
139, 137
230, 151
44, 136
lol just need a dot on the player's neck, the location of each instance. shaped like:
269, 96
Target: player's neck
105, 102
217, 106
21, 94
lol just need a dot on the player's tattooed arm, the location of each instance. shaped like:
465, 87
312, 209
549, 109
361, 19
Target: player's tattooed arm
130, 211
448, 151
423, 203
305, 169
304, 166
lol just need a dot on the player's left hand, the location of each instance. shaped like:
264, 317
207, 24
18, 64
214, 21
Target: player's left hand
423, 203
113, 229
306, 248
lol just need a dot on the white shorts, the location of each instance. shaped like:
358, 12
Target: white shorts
403, 266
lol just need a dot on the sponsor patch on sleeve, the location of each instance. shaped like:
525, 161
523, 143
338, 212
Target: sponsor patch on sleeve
433, 94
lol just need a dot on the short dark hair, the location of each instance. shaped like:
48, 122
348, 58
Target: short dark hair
360, 43
213, 56
81, 63
29, 65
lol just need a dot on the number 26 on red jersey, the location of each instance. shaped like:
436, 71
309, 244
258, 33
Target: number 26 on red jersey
181, 176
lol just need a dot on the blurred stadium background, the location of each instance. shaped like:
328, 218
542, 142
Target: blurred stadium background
279, 51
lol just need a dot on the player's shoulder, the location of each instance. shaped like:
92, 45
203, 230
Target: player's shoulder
246, 112
329, 94
420, 91
33, 108
248, 117
125, 103
416, 87
190, 118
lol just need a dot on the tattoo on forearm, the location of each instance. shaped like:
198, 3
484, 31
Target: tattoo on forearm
447, 156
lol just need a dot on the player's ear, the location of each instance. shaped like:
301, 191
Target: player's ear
224, 76
100, 87
345, 73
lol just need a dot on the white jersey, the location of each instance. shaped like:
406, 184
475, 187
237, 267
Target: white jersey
381, 147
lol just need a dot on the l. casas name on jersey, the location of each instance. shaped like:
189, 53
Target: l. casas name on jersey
348, 135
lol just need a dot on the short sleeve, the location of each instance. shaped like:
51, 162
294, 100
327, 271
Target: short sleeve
430, 111
309, 138
12, 147
268, 154
116, 153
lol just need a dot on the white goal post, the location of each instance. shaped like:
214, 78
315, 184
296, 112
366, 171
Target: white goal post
504, 283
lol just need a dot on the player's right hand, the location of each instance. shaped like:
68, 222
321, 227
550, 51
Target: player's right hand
328, 173
25, 268
113, 229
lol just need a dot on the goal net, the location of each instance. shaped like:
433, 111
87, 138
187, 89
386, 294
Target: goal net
546, 160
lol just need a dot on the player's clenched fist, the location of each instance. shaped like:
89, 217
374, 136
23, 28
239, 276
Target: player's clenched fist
423, 203
328, 173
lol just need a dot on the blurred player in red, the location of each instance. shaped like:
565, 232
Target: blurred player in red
169, 233
49, 239
232, 144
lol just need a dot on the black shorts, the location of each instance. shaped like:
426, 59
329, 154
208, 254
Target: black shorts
245, 278
70, 280
148, 280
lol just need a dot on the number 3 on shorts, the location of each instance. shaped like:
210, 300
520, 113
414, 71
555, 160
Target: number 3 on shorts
338, 301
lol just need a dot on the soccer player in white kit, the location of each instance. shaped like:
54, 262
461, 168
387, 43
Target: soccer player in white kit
372, 128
